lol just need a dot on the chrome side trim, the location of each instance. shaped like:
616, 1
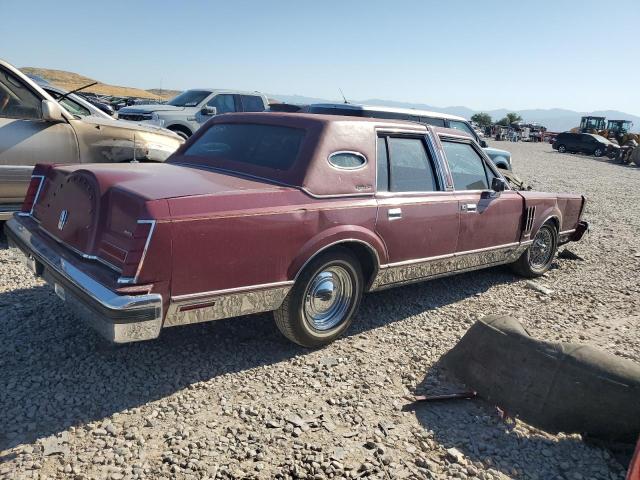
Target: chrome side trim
229, 291
401, 273
188, 309
35, 199
567, 232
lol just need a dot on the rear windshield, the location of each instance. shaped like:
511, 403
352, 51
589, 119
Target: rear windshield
240, 146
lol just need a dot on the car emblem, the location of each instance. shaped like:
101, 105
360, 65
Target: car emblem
64, 214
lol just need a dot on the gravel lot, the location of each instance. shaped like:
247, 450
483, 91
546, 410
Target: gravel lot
234, 399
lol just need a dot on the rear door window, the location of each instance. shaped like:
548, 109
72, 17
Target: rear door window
466, 165
411, 168
382, 166
252, 103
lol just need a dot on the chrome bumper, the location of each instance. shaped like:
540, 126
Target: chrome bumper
118, 318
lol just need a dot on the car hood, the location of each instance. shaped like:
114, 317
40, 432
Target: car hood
139, 127
496, 152
150, 108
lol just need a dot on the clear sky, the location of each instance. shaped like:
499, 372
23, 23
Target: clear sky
581, 55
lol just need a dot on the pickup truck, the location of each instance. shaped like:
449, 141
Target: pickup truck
298, 214
186, 112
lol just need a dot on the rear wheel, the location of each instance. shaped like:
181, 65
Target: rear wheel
183, 132
322, 302
562, 148
536, 260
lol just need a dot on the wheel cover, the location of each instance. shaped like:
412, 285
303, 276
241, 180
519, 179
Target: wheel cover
328, 298
541, 250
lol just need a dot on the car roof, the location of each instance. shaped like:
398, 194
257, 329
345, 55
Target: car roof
224, 90
380, 108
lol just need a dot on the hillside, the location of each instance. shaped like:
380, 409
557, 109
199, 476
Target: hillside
70, 81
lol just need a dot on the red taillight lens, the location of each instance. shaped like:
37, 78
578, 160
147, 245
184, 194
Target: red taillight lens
135, 255
32, 193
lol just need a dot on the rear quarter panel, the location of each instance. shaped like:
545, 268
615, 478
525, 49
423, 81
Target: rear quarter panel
248, 245
564, 208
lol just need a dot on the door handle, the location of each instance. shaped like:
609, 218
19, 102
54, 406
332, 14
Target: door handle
469, 207
395, 213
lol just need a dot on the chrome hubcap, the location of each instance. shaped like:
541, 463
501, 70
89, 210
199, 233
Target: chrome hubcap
328, 297
542, 249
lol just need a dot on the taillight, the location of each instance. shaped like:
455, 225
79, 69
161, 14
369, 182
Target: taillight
35, 186
135, 255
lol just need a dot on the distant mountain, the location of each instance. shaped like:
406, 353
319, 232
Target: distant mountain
555, 119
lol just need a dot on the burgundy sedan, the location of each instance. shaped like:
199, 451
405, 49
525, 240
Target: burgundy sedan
291, 213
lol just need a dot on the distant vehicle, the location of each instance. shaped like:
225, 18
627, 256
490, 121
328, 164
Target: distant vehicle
37, 129
590, 123
588, 143
185, 113
501, 158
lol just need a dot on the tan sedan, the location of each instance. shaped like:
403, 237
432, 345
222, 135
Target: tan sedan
34, 128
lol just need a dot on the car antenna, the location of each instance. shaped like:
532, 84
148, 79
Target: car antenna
343, 97
76, 90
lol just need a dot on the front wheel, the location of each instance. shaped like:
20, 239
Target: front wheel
598, 152
323, 301
562, 149
536, 260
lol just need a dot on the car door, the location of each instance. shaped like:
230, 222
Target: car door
488, 219
417, 219
587, 143
27, 139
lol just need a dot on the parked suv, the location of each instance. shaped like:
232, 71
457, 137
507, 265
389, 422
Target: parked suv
588, 143
34, 128
501, 158
185, 113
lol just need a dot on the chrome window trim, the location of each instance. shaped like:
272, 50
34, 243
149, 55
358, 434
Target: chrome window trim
349, 152
35, 199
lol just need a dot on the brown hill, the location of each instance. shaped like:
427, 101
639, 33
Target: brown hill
70, 81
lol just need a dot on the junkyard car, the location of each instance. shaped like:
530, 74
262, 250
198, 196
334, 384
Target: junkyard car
293, 213
186, 112
36, 129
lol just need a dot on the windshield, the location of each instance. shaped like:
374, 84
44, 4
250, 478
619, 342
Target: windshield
600, 138
190, 98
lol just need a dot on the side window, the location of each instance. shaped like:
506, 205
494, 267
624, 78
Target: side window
16, 100
224, 103
410, 166
463, 126
252, 103
466, 165
437, 122
382, 166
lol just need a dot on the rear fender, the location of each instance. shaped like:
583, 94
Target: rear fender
342, 234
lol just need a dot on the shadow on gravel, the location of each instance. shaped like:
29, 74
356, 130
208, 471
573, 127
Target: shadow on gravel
56, 373
474, 428
603, 159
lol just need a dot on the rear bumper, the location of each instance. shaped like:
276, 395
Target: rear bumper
118, 318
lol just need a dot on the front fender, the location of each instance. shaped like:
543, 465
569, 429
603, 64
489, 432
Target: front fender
335, 236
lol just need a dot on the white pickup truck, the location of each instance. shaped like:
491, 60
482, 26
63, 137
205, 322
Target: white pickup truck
185, 113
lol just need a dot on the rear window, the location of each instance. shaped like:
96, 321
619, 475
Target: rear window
266, 146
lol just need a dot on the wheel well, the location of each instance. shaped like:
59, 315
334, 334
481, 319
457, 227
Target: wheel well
180, 128
554, 221
366, 255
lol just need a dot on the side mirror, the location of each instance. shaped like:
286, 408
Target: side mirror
498, 185
51, 111
483, 144
209, 111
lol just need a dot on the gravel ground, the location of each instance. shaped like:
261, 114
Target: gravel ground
233, 399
